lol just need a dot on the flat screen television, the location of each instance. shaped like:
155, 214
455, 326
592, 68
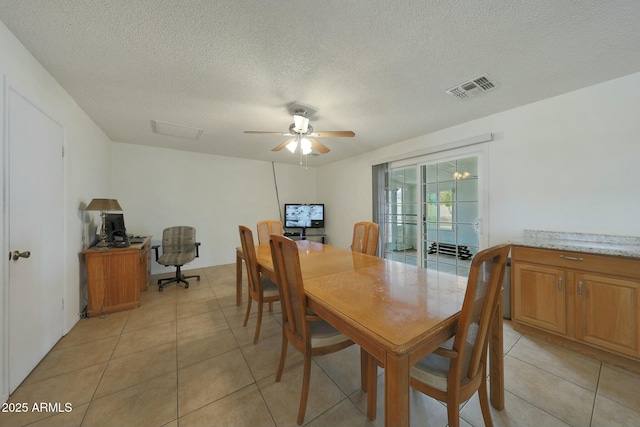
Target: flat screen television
302, 215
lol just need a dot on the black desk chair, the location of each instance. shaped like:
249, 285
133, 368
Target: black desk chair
179, 247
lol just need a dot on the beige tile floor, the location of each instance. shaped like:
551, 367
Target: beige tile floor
184, 359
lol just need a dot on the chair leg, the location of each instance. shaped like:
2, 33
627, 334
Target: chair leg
305, 389
178, 278
484, 403
238, 278
258, 323
195, 276
246, 316
283, 356
453, 413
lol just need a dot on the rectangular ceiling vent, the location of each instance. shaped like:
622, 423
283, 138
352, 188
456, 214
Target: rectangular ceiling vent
170, 129
473, 87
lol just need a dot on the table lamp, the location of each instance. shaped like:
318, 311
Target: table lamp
103, 205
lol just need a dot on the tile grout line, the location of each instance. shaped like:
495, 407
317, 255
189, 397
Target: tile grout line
105, 367
595, 396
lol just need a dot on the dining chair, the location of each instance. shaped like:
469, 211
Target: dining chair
261, 289
268, 227
365, 237
306, 332
457, 369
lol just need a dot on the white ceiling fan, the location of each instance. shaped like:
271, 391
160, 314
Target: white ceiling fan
303, 135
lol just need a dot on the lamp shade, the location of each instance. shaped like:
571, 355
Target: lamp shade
305, 146
104, 205
301, 123
292, 145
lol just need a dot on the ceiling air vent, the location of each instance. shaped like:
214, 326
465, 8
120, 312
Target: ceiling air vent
170, 129
473, 87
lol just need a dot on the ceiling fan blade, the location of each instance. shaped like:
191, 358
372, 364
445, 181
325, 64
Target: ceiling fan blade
267, 133
281, 146
333, 133
319, 147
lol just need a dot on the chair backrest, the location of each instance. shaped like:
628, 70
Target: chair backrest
180, 239
481, 298
365, 237
250, 258
268, 227
286, 264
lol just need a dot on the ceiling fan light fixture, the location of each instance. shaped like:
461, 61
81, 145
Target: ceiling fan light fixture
300, 122
301, 133
292, 145
305, 146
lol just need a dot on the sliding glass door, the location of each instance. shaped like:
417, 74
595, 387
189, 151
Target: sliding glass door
451, 214
433, 211
401, 216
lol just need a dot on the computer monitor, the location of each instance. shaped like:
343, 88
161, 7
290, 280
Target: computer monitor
113, 222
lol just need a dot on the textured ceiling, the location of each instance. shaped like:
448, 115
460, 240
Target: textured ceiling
376, 67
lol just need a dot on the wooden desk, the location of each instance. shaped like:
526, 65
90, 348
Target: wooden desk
115, 277
398, 313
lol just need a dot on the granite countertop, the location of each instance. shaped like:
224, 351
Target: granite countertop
603, 244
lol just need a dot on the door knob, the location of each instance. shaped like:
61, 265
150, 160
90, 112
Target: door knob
17, 254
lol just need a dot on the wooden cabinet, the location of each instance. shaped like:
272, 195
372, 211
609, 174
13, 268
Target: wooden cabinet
584, 301
608, 312
540, 295
115, 277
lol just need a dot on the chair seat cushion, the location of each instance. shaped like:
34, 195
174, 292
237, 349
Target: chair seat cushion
433, 369
176, 258
323, 334
269, 289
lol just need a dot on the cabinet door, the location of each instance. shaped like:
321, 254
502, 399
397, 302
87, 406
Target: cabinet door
144, 268
539, 296
122, 290
608, 312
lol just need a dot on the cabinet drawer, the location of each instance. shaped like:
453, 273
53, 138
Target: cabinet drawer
620, 266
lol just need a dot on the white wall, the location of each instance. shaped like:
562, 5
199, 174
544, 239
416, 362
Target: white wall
86, 173
346, 189
87, 156
160, 188
568, 163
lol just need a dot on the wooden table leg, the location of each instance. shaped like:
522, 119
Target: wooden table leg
369, 381
496, 359
372, 386
396, 391
364, 360
238, 276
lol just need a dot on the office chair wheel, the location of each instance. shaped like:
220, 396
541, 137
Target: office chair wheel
160, 289
186, 286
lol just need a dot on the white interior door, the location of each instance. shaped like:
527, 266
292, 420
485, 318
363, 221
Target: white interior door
36, 192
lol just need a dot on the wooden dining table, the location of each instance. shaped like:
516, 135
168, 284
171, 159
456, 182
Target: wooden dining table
397, 313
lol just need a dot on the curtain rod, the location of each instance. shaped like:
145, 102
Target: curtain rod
479, 139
